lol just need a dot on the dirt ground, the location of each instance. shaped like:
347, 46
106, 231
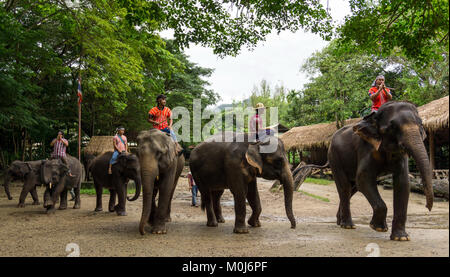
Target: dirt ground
30, 232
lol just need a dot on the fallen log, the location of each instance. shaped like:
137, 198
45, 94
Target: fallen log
440, 186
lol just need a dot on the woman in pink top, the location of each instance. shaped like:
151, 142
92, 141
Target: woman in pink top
120, 145
256, 122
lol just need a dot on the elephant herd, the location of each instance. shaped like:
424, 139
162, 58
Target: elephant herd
380, 143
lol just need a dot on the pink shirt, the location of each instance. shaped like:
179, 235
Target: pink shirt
59, 148
256, 119
118, 143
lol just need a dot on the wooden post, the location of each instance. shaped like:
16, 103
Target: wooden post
431, 149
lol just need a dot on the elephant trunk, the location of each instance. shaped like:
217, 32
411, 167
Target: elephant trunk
138, 184
413, 142
6, 185
148, 177
288, 188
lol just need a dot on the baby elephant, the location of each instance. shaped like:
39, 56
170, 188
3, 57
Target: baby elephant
127, 167
30, 173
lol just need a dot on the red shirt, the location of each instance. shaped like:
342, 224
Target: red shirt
160, 116
380, 99
256, 119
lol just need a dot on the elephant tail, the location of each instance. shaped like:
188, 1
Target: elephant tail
205, 197
310, 166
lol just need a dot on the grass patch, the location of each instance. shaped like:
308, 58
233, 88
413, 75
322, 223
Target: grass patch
324, 199
317, 181
105, 191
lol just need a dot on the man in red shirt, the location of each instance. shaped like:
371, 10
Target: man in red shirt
159, 116
379, 93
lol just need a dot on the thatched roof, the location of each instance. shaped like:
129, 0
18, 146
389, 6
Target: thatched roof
435, 114
99, 145
311, 136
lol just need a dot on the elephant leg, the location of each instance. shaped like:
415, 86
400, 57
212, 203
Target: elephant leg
240, 210
344, 188
77, 204
121, 196
165, 191
401, 196
23, 195
168, 218
366, 181
255, 204
63, 201
35, 196
98, 193
112, 200
216, 195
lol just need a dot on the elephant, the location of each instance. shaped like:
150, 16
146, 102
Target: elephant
161, 167
30, 173
127, 167
380, 144
235, 165
87, 161
58, 182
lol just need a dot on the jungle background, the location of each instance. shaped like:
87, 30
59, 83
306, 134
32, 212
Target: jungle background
117, 49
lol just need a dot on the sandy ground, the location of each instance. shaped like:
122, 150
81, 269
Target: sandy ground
30, 232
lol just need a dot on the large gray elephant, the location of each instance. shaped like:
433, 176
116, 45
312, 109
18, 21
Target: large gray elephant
161, 167
127, 167
377, 145
58, 182
217, 166
30, 173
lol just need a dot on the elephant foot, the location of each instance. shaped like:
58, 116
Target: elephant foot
212, 224
36, 203
400, 236
51, 210
98, 209
21, 205
346, 224
10, 198
62, 208
119, 211
240, 230
379, 227
111, 209
169, 219
254, 222
77, 206
220, 219
159, 230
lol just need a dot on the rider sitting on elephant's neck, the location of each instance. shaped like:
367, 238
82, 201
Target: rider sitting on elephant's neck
159, 115
379, 93
120, 146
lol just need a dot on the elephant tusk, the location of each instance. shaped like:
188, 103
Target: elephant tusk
50, 185
157, 178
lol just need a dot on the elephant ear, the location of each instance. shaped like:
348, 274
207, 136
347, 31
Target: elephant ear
64, 169
253, 157
367, 129
25, 168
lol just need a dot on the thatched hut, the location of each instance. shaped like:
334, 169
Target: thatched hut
99, 145
435, 121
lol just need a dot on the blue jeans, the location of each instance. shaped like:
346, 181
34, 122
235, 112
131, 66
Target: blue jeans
194, 194
170, 132
114, 157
